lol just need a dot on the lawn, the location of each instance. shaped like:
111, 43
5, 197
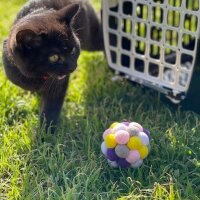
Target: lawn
69, 164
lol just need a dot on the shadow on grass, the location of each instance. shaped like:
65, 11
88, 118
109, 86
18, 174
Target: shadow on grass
174, 159
69, 165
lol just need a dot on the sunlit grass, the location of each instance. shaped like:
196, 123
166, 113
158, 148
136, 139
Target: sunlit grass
69, 165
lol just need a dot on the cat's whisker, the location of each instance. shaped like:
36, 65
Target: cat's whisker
45, 85
51, 82
55, 89
79, 29
60, 36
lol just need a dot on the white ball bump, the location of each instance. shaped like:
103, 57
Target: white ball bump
137, 164
149, 147
144, 138
133, 130
119, 127
104, 148
112, 163
134, 124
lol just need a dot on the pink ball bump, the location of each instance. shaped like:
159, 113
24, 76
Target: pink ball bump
119, 145
106, 132
122, 137
133, 156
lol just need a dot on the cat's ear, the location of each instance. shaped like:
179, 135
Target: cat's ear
28, 38
67, 13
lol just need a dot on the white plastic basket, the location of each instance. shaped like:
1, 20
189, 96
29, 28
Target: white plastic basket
153, 42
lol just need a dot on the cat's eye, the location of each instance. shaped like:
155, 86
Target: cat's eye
54, 58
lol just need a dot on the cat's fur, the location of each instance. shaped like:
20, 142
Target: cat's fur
44, 28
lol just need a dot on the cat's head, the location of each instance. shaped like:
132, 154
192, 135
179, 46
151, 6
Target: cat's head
45, 44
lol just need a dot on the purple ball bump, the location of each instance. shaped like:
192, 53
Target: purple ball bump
121, 155
123, 163
111, 155
146, 131
125, 123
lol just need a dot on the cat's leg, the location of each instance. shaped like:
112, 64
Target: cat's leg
51, 103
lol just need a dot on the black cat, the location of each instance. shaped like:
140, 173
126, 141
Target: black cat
44, 45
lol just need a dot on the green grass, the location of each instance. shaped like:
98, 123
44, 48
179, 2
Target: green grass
69, 165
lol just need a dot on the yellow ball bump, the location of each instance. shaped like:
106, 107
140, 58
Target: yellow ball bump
134, 143
114, 124
110, 141
143, 152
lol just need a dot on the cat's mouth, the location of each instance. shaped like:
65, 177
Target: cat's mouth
61, 77
47, 76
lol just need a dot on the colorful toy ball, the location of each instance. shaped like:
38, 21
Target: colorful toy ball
125, 144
